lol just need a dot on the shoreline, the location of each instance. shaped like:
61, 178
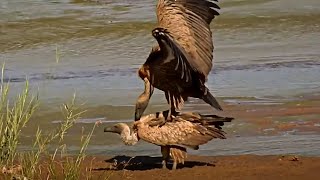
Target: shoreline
296, 117
206, 167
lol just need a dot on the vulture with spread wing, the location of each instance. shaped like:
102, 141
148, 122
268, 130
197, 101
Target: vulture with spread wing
186, 130
180, 63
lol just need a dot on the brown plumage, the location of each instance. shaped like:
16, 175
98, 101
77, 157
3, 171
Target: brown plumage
186, 130
180, 63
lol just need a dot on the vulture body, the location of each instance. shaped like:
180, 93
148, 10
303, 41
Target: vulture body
186, 130
180, 63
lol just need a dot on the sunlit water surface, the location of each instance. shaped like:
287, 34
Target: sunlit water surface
263, 49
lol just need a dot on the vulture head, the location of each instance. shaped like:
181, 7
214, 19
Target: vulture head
117, 128
127, 136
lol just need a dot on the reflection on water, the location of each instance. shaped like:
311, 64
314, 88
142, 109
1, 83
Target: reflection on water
263, 48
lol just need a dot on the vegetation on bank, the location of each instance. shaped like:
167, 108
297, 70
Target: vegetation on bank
37, 163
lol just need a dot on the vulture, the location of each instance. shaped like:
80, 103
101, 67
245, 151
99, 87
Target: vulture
180, 63
186, 130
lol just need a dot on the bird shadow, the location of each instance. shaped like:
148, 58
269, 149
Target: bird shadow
145, 163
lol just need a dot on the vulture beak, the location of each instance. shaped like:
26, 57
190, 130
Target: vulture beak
111, 129
116, 128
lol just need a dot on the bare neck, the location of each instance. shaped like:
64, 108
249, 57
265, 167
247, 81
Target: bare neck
148, 90
143, 99
128, 137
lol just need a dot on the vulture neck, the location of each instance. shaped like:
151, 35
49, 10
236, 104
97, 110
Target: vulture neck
128, 137
148, 90
143, 99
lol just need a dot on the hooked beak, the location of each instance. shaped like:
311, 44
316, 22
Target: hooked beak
109, 129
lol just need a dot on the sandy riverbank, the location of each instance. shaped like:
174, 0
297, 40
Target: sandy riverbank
209, 167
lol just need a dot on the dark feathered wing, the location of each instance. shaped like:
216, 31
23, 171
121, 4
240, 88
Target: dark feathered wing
188, 21
172, 76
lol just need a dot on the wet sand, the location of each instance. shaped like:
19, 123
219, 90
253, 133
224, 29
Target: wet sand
253, 119
207, 167
282, 117
301, 115
247, 167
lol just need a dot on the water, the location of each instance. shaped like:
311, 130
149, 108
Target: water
261, 145
263, 49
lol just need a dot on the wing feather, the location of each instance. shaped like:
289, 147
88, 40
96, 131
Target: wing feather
188, 23
163, 77
183, 64
186, 129
180, 133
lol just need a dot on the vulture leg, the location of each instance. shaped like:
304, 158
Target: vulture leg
168, 118
165, 151
174, 166
172, 113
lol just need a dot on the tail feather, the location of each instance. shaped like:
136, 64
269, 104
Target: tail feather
204, 119
208, 98
214, 120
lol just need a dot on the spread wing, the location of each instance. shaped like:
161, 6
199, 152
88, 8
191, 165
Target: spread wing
188, 21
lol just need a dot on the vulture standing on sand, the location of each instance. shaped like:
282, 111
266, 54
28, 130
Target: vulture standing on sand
180, 63
185, 130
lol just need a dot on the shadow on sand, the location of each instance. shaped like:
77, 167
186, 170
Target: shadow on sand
145, 163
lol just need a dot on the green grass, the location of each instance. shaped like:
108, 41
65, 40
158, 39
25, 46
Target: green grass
15, 114
12, 119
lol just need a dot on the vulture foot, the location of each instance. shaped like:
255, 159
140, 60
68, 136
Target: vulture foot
157, 122
164, 164
171, 114
165, 150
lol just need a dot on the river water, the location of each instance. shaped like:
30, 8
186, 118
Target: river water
265, 49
